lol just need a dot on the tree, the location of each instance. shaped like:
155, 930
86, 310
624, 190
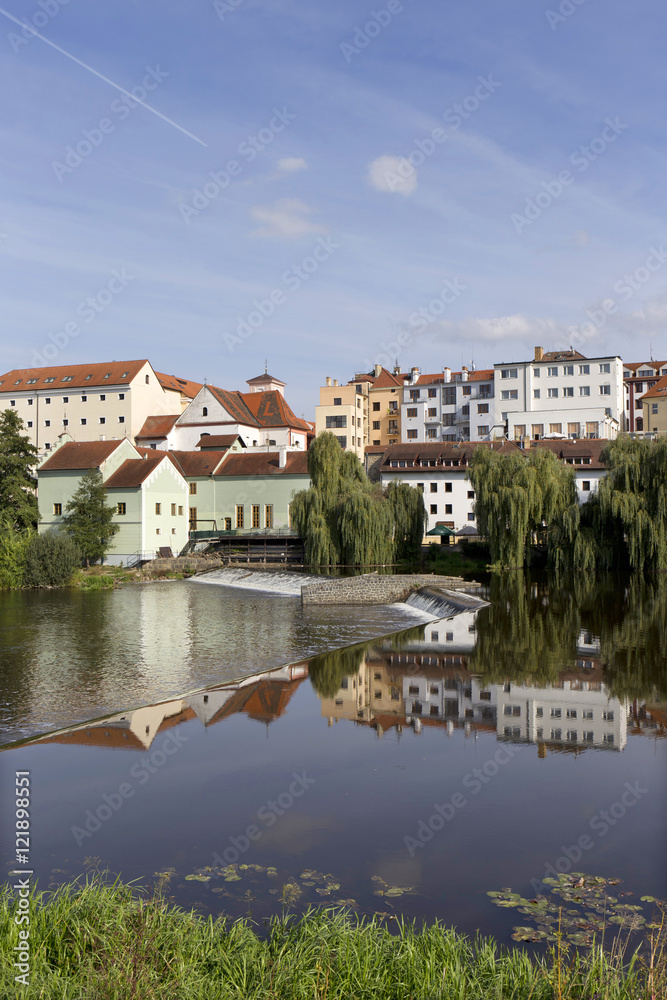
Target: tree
18, 457
88, 518
345, 519
50, 560
516, 496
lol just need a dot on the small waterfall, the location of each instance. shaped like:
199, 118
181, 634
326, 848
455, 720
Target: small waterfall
278, 583
443, 603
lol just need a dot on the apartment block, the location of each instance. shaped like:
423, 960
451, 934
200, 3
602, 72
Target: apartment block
448, 406
344, 411
639, 378
654, 403
559, 394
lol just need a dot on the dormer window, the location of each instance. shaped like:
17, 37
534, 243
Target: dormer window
108, 375
31, 381
18, 381
52, 379
67, 378
87, 378
125, 374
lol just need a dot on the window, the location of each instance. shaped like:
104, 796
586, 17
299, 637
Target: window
29, 423
482, 430
255, 515
193, 489
471, 517
465, 410
448, 487
47, 445
46, 380
509, 373
103, 420
552, 372
573, 430
555, 428
158, 508
584, 369
432, 393
412, 434
12, 402
608, 716
571, 713
30, 402
376, 406
376, 425
414, 395
482, 407
568, 391
338, 401
449, 395
449, 419
48, 399
506, 394
173, 510
393, 405
448, 508
568, 369
584, 390
588, 736
337, 421
587, 714
158, 531
239, 515
605, 368
605, 390
536, 393
342, 440
654, 407
121, 508
65, 399
102, 397
471, 494
31, 381
65, 422
539, 713
514, 710
536, 372
555, 734
555, 713
121, 420
87, 378
552, 393
466, 390
268, 515
57, 508
432, 411
433, 487
434, 508
585, 486
608, 737
411, 411
84, 399
121, 395
148, 380
449, 637
47, 423
572, 735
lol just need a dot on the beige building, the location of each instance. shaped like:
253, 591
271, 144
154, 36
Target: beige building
654, 403
343, 410
104, 401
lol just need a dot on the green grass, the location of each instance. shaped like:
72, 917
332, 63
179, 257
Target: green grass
98, 941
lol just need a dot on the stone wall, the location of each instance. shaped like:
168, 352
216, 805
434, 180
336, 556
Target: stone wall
375, 589
178, 564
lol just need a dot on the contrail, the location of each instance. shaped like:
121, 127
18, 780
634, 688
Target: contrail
106, 79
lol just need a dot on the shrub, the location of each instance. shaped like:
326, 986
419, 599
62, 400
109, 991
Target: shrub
13, 545
50, 560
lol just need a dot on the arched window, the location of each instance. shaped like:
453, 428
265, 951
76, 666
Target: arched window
204, 411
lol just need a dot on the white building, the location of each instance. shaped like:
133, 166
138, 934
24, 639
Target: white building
639, 378
559, 394
448, 406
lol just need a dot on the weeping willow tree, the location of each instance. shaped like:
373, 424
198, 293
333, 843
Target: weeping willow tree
345, 519
516, 496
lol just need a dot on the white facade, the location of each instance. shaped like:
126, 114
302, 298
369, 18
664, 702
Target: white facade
560, 394
448, 493
208, 414
454, 406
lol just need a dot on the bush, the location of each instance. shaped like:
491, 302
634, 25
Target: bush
13, 545
50, 561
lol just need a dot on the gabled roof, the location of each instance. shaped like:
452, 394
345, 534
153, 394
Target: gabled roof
385, 380
582, 448
182, 385
444, 451
659, 390
134, 471
219, 442
264, 464
77, 455
264, 380
196, 463
634, 366
76, 376
157, 427
259, 409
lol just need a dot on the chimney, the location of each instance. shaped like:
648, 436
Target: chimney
464, 374
328, 380
539, 353
414, 374
377, 369
335, 381
447, 372
282, 457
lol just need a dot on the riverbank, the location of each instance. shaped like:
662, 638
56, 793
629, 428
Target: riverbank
100, 941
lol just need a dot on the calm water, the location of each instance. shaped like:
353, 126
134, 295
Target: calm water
503, 738
68, 655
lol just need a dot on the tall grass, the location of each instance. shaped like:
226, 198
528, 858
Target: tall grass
99, 941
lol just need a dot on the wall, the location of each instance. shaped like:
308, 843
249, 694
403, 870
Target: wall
462, 504
375, 589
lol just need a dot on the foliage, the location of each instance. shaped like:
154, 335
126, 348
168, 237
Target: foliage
517, 496
13, 546
327, 671
88, 518
18, 457
97, 941
50, 560
345, 520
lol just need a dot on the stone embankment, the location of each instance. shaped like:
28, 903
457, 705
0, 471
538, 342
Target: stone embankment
375, 589
179, 564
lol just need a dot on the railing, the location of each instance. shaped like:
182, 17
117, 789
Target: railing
241, 532
137, 558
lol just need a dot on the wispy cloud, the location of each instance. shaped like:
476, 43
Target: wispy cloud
392, 174
289, 164
286, 219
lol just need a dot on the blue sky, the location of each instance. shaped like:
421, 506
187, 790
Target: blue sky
342, 100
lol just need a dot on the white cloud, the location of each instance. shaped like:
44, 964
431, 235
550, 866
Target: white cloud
286, 219
291, 163
394, 174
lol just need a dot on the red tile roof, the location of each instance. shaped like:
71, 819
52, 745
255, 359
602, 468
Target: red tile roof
584, 448
263, 380
218, 441
182, 385
157, 427
119, 372
77, 455
659, 390
264, 464
634, 366
196, 463
482, 375
444, 451
259, 409
134, 471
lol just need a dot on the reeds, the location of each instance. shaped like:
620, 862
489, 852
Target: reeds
94, 941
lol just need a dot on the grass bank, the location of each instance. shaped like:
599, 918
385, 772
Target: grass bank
98, 941
109, 577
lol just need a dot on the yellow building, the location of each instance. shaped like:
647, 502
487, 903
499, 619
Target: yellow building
654, 405
343, 411
385, 398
